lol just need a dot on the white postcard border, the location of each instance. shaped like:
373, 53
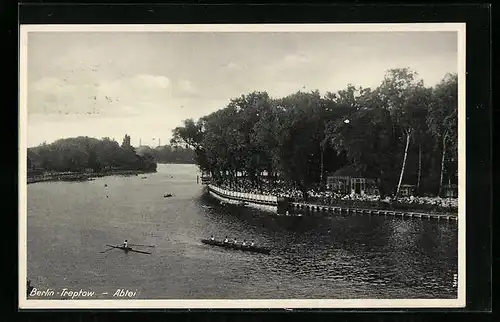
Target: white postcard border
24, 303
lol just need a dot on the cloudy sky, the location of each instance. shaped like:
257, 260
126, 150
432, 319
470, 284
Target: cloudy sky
106, 84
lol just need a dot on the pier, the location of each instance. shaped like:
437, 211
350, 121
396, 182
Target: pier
343, 210
277, 205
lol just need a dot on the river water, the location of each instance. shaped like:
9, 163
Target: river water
343, 256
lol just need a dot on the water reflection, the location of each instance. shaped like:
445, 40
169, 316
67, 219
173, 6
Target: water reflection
364, 250
341, 256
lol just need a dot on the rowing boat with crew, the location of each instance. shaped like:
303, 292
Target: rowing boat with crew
233, 245
250, 247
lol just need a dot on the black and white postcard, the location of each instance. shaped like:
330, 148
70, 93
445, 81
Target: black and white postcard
242, 166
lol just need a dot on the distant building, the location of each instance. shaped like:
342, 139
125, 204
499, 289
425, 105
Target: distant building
407, 190
349, 180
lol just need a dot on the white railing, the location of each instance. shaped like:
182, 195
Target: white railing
243, 195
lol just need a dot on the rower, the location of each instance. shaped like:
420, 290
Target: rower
226, 240
251, 244
235, 241
212, 238
125, 244
244, 242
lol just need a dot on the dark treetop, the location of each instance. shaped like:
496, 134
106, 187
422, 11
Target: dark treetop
401, 132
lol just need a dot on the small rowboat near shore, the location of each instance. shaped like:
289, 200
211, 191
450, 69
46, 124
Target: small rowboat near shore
254, 249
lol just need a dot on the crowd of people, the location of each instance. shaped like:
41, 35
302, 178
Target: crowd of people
332, 198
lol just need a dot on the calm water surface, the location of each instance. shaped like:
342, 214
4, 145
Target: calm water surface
349, 256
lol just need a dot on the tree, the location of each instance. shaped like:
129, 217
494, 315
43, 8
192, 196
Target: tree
443, 119
80, 153
371, 155
252, 155
192, 134
299, 135
388, 134
126, 142
403, 95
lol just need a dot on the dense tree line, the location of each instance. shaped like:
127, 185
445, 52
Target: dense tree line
169, 154
84, 153
400, 132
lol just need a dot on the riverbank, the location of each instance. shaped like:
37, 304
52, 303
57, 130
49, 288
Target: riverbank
82, 176
414, 206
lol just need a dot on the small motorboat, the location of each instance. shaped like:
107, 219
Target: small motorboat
167, 195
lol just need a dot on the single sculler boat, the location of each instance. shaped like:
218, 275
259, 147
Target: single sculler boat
128, 249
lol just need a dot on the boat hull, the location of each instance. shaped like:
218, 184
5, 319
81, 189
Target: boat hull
253, 249
125, 249
128, 249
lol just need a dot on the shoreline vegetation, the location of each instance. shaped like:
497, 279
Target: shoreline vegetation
393, 146
83, 158
81, 176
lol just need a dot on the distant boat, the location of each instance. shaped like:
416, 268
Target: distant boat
167, 195
144, 177
254, 249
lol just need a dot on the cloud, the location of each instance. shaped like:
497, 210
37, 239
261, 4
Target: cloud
187, 86
293, 59
118, 96
232, 66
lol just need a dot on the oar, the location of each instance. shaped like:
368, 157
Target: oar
142, 245
107, 250
138, 251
